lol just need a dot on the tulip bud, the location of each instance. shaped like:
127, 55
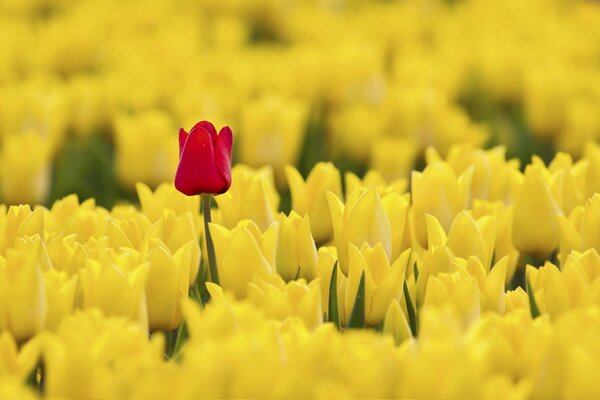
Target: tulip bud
296, 250
535, 226
204, 160
309, 197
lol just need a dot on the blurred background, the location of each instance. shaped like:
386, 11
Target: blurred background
92, 93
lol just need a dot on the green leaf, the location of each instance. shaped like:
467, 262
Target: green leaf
333, 313
357, 316
412, 315
182, 336
533, 307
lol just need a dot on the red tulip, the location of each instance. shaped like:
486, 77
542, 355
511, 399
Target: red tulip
204, 160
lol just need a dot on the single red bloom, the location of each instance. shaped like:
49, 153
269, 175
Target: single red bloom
204, 160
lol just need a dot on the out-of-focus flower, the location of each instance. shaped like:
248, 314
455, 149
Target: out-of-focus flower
60, 288
296, 249
25, 175
355, 128
17, 362
243, 252
308, 197
165, 197
251, 196
272, 131
376, 180
204, 160
535, 225
393, 158
116, 287
151, 131
23, 296
280, 300
494, 177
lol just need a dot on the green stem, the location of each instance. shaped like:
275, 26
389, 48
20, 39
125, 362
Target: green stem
210, 247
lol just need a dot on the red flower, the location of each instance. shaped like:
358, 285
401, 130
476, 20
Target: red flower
204, 160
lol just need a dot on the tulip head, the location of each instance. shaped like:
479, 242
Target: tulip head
204, 160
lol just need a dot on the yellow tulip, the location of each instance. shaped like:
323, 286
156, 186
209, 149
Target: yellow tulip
60, 290
296, 249
116, 288
167, 284
491, 283
396, 323
327, 259
243, 252
308, 197
535, 225
439, 192
18, 362
467, 237
23, 303
157, 163
494, 177
504, 244
374, 179
128, 231
272, 131
94, 356
252, 195
393, 158
280, 300
362, 220
32, 182
91, 108
566, 180
166, 197
85, 220
177, 232
354, 129
383, 281
457, 290
19, 221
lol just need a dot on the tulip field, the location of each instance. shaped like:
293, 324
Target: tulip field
277, 199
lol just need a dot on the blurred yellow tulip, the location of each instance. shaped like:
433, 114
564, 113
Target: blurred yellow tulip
30, 155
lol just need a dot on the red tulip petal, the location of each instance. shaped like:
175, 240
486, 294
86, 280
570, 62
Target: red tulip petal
208, 127
197, 172
223, 156
183, 135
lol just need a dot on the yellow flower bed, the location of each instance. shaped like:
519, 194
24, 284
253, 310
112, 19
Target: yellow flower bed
414, 209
